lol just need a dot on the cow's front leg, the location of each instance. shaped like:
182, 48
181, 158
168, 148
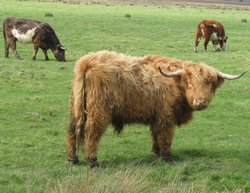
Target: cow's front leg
165, 139
45, 54
206, 40
216, 46
35, 50
155, 146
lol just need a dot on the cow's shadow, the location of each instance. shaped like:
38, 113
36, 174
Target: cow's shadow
180, 156
52, 60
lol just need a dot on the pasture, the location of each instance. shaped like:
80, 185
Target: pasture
212, 153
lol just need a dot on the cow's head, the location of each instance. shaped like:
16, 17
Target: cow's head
223, 43
59, 53
199, 83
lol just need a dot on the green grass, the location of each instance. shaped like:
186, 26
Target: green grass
212, 153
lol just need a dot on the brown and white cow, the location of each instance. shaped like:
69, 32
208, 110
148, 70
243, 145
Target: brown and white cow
113, 88
28, 31
211, 31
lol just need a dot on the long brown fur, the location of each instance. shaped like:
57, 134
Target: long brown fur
113, 88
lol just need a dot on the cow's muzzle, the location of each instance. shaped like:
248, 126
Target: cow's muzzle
200, 103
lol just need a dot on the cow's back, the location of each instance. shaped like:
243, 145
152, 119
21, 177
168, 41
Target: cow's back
131, 87
21, 24
211, 26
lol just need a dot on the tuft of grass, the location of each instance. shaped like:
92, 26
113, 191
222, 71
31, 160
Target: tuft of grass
48, 14
244, 20
128, 15
128, 179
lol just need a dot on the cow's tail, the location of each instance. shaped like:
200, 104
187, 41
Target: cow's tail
198, 31
79, 103
4, 35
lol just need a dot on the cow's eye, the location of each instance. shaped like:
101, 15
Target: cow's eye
207, 82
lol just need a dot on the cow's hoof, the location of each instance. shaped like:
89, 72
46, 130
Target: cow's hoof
169, 159
156, 150
92, 162
74, 162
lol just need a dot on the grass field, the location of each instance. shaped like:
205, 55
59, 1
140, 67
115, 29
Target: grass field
212, 153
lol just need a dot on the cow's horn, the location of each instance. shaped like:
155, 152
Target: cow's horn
171, 74
62, 47
229, 76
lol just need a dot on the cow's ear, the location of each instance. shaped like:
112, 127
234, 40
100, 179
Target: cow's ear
219, 82
60, 47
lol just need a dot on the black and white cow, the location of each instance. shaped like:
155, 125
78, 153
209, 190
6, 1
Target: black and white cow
40, 34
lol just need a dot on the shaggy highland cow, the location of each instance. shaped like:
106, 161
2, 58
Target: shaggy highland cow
113, 88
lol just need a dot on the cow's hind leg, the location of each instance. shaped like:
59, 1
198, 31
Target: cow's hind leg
13, 47
197, 41
96, 123
198, 37
11, 43
6, 48
35, 50
72, 150
196, 45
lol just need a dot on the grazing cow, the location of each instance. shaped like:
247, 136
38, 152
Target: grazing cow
26, 31
211, 31
113, 88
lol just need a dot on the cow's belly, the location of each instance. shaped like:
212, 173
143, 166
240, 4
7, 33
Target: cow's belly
24, 37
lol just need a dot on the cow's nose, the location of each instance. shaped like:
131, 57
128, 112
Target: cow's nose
200, 102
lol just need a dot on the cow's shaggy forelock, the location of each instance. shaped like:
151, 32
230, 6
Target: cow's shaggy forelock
113, 88
200, 81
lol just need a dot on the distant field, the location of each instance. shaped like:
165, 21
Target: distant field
212, 153
214, 4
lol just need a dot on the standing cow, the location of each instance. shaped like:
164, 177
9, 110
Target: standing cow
26, 31
113, 88
211, 31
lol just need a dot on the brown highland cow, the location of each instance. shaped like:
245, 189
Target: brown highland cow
113, 88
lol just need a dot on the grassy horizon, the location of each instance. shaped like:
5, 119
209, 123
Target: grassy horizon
212, 153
